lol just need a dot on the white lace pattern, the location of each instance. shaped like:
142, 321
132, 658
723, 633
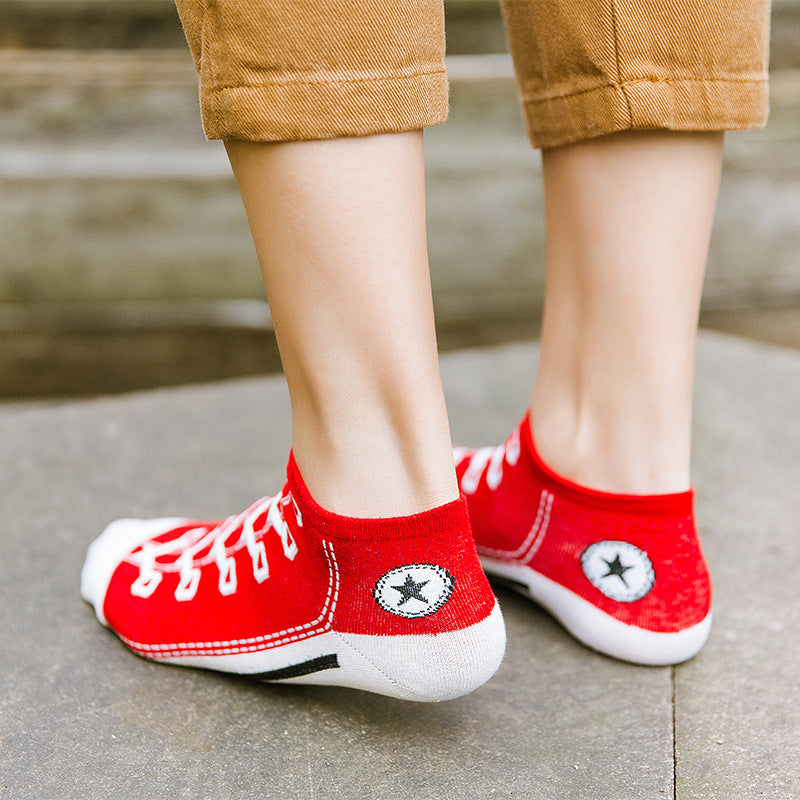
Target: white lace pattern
488, 461
213, 540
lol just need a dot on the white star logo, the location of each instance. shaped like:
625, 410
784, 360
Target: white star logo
414, 590
619, 570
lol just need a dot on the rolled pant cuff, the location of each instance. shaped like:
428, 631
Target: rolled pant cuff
325, 109
647, 104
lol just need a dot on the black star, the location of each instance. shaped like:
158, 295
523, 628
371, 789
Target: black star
615, 567
411, 589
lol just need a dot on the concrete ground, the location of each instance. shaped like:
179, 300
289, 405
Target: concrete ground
80, 717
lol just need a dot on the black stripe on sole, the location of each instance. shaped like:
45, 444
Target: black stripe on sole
296, 670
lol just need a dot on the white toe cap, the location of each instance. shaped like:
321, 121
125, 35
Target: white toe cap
110, 548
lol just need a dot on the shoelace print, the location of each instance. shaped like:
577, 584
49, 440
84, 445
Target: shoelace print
488, 460
213, 540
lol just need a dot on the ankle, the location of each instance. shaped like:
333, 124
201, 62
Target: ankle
613, 455
372, 476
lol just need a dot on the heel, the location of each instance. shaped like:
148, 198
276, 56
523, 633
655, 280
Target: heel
426, 667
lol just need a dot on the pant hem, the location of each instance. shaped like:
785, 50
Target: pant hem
647, 104
297, 110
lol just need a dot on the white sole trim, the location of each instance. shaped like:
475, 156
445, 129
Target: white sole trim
599, 630
110, 548
423, 668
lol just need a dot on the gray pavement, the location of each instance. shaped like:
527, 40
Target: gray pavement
80, 717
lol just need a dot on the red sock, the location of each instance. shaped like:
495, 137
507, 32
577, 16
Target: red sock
289, 591
623, 573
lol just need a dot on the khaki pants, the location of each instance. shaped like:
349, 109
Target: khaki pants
277, 70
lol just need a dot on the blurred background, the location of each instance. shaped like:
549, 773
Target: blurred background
125, 258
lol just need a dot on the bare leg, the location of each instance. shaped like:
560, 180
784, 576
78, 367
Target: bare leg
628, 223
339, 228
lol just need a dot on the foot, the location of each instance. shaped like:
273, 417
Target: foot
623, 573
287, 591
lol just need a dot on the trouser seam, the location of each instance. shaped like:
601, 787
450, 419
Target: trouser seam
531, 98
326, 82
619, 82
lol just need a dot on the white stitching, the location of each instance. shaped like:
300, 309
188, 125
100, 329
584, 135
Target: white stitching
537, 542
321, 624
535, 536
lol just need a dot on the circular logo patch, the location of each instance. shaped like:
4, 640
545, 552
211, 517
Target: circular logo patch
414, 590
619, 570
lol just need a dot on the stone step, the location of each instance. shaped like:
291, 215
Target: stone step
89, 24
100, 348
127, 260
473, 26
109, 191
